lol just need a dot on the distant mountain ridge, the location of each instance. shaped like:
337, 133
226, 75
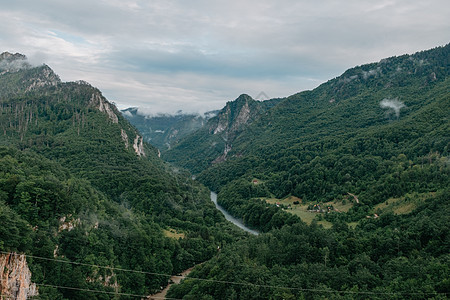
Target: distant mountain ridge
164, 130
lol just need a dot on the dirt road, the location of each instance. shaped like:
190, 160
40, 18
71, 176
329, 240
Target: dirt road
176, 280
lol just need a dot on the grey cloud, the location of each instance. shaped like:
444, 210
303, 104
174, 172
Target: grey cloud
205, 52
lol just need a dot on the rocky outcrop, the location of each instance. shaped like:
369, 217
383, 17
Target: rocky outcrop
10, 57
223, 157
44, 75
98, 101
13, 62
222, 125
235, 115
124, 136
68, 223
45, 78
242, 118
15, 277
138, 146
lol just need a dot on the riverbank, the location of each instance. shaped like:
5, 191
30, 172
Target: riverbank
230, 218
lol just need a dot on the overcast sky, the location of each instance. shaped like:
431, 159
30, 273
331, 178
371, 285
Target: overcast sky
196, 55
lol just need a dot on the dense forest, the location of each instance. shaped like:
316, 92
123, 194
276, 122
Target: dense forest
349, 184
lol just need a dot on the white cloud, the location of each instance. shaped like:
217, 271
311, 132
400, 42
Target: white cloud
394, 105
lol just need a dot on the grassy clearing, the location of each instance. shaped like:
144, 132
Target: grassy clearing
173, 234
300, 210
340, 206
402, 205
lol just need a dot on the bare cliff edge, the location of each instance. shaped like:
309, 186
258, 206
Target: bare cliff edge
15, 277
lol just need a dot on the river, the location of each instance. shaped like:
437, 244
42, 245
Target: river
230, 218
177, 278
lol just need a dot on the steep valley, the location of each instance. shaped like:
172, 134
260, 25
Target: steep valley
347, 185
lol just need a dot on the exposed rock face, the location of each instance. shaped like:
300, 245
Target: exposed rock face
222, 125
10, 63
138, 145
68, 223
46, 78
103, 105
235, 115
10, 56
124, 137
15, 277
242, 118
232, 119
223, 157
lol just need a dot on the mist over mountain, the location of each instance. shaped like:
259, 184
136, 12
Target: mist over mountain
165, 130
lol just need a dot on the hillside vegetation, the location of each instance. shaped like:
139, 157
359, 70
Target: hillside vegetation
378, 136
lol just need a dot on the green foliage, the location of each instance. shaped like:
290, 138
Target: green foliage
207, 146
393, 256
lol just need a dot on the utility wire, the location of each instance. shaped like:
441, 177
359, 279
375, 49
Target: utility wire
104, 292
233, 282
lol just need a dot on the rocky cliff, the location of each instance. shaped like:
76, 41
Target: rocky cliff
15, 277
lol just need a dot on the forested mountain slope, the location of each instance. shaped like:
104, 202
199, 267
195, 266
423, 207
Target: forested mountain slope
319, 144
211, 144
79, 184
367, 156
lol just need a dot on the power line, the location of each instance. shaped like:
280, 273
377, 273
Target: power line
231, 282
103, 292
90, 265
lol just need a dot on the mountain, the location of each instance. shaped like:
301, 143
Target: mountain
348, 183
164, 130
211, 144
364, 117
80, 188
19, 75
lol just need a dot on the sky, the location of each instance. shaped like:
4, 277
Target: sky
164, 56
